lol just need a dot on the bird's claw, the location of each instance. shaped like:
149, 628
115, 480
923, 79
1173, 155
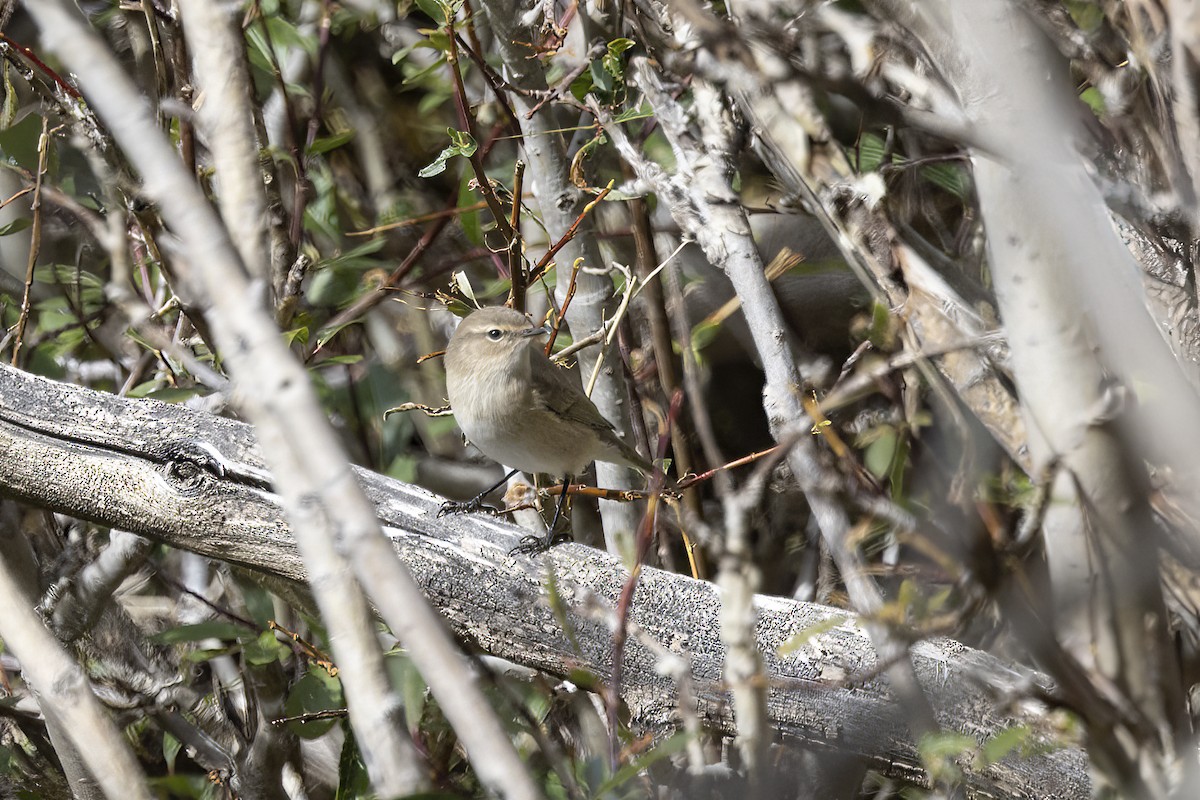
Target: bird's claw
467, 507
533, 545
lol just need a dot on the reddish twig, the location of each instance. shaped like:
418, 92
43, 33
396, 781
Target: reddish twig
564, 85
476, 158
562, 313
384, 290
542, 265
494, 81
375, 297
70, 90
408, 223
689, 482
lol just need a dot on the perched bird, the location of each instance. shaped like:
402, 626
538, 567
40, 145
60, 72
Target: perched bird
520, 409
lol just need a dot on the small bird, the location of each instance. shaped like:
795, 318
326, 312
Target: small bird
520, 409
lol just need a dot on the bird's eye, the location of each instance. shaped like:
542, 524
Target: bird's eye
494, 334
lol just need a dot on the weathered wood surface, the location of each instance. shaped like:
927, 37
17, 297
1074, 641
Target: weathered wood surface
195, 481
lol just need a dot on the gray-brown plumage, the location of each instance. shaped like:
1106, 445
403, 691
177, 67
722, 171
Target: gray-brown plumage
520, 409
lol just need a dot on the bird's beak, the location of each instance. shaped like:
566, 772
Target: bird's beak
543, 330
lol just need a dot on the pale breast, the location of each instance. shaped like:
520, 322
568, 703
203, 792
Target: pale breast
496, 411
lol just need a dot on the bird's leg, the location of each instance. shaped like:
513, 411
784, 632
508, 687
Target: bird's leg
532, 544
476, 502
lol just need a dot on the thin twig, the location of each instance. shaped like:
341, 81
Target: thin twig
516, 263
645, 537
494, 81
384, 290
693, 480
542, 265
630, 285
408, 223
318, 77
660, 333
562, 312
67, 88
35, 242
467, 121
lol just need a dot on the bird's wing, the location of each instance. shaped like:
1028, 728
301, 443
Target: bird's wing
554, 391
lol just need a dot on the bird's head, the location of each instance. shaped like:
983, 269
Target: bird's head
490, 336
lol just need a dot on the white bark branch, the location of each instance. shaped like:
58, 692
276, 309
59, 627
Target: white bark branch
65, 696
334, 524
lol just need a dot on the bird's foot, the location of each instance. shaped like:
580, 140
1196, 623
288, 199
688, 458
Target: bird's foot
467, 507
532, 545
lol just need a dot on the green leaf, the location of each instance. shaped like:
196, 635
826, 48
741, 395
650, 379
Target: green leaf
266, 649
201, 654
1087, 14
870, 152
325, 334
461, 144
413, 690
1094, 100
434, 9
212, 629
582, 85
353, 781
801, 638
317, 691
181, 786
295, 335
16, 226
355, 257
951, 177
470, 221
1004, 742
880, 452
665, 749
641, 112
171, 747
327, 143
258, 601
613, 63
19, 142
703, 333
603, 80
